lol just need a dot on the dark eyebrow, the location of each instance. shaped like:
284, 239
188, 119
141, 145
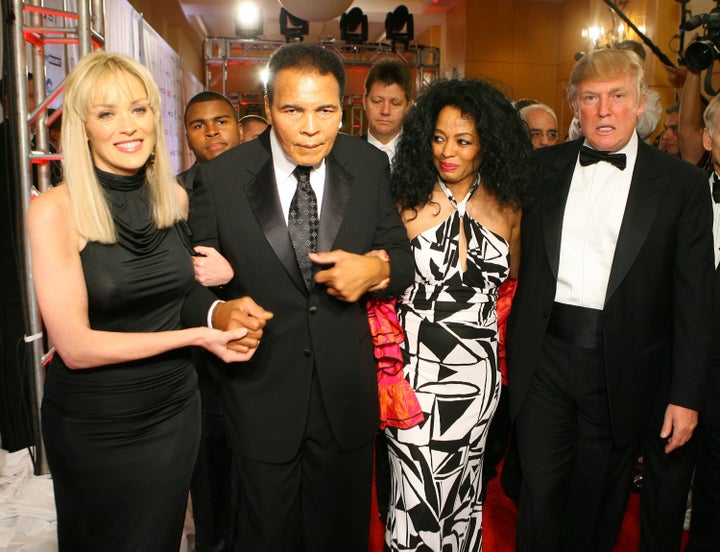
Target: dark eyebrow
294, 106
201, 120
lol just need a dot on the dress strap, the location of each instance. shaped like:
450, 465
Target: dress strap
460, 207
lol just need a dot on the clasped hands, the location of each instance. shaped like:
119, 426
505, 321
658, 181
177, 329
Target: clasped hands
242, 313
348, 277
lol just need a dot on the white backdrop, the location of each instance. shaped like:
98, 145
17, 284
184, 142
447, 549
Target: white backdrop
128, 33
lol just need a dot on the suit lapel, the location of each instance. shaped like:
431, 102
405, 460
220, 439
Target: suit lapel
554, 205
642, 204
262, 194
335, 201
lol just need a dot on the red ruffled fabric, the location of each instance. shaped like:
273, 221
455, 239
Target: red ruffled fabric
399, 406
506, 293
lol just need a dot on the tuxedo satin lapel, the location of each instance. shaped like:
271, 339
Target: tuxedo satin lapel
642, 204
554, 207
338, 182
263, 197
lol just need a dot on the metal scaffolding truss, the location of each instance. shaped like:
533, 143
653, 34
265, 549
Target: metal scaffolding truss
220, 54
84, 27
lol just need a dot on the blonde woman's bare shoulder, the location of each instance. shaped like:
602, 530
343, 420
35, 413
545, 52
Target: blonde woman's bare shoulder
54, 204
50, 215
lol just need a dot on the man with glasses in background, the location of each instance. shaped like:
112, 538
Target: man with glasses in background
542, 125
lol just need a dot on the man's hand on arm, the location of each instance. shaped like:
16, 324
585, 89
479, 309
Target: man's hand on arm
211, 268
678, 426
349, 275
242, 313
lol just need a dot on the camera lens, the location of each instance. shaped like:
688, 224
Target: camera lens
700, 55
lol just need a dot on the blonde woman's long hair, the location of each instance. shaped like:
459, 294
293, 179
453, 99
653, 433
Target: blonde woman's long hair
91, 212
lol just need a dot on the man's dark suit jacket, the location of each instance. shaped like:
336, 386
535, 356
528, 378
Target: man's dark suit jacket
187, 178
710, 413
656, 322
239, 213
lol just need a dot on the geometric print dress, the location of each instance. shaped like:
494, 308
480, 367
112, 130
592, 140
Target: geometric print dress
450, 354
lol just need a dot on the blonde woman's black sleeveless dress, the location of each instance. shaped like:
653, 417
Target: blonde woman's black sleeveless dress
122, 439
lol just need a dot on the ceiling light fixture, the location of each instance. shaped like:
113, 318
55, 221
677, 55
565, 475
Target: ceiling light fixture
291, 27
399, 26
248, 20
354, 26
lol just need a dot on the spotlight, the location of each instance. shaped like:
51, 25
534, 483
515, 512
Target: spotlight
399, 26
248, 20
291, 27
354, 26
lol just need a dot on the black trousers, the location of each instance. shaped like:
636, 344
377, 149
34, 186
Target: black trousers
575, 482
211, 489
317, 502
705, 524
665, 486
382, 476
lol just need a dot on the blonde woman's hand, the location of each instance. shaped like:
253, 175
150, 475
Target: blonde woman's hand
216, 341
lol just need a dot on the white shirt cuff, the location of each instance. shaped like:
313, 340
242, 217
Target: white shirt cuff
211, 310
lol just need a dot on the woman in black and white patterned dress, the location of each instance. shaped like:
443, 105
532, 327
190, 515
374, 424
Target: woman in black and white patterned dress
461, 175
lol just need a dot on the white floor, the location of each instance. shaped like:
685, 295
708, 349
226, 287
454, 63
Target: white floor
27, 509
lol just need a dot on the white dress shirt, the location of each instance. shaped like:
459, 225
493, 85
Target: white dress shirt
716, 224
285, 179
388, 148
591, 224
286, 184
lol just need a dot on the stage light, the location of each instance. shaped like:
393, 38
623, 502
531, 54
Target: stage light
291, 27
354, 26
248, 20
399, 26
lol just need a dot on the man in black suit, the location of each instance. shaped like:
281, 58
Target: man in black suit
301, 414
705, 520
611, 311
211, 128
387, 98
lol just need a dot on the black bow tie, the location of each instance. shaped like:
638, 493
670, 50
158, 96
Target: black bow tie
589, 156
716, 188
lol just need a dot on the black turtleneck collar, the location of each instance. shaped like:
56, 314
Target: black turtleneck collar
119, 182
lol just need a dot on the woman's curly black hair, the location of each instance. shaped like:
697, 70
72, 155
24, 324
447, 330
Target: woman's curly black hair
507, 160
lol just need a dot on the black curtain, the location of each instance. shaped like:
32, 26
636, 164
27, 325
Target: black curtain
15, 373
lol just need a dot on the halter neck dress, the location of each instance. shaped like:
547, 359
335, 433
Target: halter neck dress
450, 351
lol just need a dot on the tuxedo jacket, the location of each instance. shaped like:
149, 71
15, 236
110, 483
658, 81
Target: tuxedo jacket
187, 178
656, 321
710, 412
236, 208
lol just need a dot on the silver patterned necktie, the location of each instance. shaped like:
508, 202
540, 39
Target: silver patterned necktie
303, 222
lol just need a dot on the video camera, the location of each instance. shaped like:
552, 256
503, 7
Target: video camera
702, 53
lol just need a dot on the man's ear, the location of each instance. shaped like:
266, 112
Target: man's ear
707, 139
268, 111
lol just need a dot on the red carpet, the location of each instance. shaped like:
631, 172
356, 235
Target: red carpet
500, 514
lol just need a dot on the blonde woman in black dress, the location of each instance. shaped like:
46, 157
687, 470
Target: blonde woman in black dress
111, 266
